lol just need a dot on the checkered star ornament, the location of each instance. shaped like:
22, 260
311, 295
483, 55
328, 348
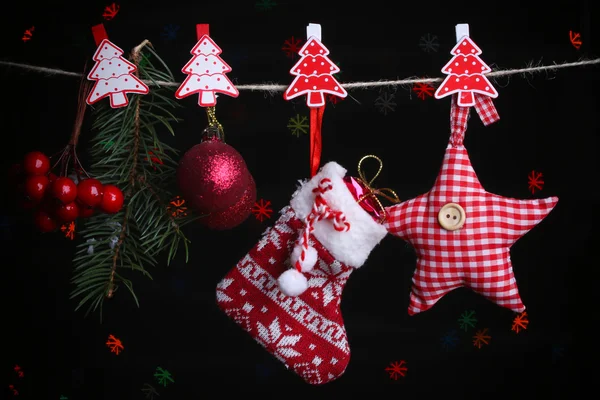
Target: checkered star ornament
462, 234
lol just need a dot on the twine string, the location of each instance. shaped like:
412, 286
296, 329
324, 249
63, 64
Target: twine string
273, 88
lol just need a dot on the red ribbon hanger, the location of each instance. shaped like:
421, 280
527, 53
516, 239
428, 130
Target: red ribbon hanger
316, 145
314, 78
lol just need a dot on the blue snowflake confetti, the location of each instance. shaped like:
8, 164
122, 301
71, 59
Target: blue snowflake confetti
450, 340
557, 353
5, 227
178, 286
169, 32
237, 57
77, 378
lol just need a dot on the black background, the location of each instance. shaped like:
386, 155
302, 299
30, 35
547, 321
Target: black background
548, 124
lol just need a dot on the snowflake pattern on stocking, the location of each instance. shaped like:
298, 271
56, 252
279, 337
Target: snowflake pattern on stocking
310, 371
283, 345
327, 281
241, 317
273, 235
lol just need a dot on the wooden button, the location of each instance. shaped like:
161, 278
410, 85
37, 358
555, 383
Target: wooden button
452, 217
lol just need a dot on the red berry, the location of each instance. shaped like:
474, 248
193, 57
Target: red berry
64, 189
36, 163
44, 221
49, 205
86, 211
35, 187
112, 200
49, 196
89, 192
67, 212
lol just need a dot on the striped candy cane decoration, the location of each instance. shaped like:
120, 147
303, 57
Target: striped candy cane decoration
293, 282
319, 212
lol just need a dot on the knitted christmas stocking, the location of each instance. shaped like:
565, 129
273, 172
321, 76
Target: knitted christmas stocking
286, 291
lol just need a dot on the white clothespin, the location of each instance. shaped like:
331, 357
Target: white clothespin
462, 30
313, 30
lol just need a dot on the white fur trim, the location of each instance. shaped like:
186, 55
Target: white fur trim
310, 258
292, 282
351, 247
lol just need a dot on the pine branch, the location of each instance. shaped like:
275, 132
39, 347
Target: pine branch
123, 149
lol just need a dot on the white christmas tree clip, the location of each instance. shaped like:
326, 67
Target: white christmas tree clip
113, 74
206, 72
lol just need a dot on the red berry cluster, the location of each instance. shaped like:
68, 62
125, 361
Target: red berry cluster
57, 199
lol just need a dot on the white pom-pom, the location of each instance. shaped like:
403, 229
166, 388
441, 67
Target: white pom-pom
310, 258
292, 282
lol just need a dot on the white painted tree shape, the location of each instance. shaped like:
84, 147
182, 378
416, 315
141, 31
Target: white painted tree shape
114, 76
206, 74
314, 75
222, 297
466, 74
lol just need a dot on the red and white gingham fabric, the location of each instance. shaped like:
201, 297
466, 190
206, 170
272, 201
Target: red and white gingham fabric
476, 256
484, 106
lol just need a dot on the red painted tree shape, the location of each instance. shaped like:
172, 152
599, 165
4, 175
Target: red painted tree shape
114, 76
314, 75
466, 74
206, 74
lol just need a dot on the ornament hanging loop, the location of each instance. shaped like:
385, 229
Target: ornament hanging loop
372, 192
213, 133
361, 173
214, 129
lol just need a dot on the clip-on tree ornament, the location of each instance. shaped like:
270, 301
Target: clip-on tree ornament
114, 75
213, 176
461, 233
314, 78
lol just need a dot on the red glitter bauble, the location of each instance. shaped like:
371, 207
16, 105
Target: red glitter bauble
234, 215
212, 176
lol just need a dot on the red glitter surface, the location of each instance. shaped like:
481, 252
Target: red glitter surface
234, 215
212, 176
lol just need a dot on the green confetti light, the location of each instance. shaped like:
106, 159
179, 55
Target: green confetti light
163, 376
467, 320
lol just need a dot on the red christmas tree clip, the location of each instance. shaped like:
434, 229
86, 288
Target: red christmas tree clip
314, 77
466, 78
114, 75
314, 72
206, 71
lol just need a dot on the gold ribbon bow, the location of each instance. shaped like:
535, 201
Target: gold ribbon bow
372, 192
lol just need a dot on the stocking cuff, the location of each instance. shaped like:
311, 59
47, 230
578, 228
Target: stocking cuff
351, 247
